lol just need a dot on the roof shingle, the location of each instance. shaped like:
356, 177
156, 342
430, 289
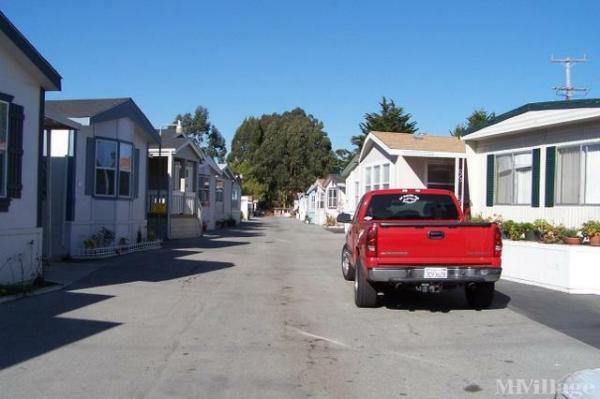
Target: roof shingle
412, 142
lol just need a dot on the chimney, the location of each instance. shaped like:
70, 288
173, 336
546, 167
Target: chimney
179, 128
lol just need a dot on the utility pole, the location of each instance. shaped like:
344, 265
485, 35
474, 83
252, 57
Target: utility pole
568, 90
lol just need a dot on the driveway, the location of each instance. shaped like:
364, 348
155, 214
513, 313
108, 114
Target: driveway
261, 311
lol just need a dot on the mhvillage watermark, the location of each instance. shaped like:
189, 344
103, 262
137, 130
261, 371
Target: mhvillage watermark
546, 386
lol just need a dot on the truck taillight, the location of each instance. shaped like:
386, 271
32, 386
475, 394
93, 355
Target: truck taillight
497, 241
372, 241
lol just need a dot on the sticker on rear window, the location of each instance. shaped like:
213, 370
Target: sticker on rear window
408, 198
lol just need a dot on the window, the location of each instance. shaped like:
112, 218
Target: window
106, 167
376, 177
125, 169
219, 190
356, 192
234, 196
412, 207
4, 107
513, 178
440, 175
367, 179
321, 204
204, 189
578, 168
332, 200
385, 182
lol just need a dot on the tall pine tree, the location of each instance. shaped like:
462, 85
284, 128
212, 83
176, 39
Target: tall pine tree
390, 118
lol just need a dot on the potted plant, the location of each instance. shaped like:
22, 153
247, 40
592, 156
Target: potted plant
506, 227
591, 230
553, 235
529, 232
571, 237
540, 228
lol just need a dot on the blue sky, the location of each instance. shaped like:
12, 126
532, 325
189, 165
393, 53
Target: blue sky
438, 59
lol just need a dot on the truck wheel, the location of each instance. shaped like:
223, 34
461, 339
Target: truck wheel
365, 296
480, 295
347, 269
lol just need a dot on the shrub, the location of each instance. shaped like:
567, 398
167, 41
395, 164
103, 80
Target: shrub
330, 221
151, 235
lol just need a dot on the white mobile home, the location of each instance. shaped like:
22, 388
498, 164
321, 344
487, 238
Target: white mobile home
541, 160
108, 192
400, 160
25, 76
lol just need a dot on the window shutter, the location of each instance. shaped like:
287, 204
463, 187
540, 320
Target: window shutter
550, 173
15, 151
136, 172
90, 159
535, 179
489, 197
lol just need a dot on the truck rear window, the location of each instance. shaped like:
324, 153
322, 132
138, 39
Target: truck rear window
412, 207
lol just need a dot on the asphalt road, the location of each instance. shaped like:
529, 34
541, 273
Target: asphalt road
262, 311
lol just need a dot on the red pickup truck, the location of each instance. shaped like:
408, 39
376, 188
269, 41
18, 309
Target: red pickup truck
418, 239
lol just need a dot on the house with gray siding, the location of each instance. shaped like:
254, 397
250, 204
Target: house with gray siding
107, 196
25, 77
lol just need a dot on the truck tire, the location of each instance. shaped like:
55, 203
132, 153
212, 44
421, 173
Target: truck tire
480, 295
365, 296
347, 269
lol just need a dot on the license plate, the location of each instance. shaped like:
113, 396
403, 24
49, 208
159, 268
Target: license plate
435, 272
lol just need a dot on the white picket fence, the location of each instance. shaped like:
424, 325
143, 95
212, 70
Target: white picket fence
107, 252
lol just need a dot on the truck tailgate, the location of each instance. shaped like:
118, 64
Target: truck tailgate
404, 243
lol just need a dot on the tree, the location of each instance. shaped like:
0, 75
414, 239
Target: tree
341, 158
203, 132
477, 119
391, 118
281, 154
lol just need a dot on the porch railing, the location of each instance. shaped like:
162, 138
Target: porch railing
181, 203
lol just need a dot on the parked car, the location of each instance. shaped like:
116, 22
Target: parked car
418, 239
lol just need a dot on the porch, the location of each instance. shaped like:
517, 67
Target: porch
173, 206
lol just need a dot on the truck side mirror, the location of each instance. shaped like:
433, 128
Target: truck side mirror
344, 218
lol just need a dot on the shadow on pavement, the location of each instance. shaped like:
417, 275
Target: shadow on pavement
33, 326
577, 316
444, 302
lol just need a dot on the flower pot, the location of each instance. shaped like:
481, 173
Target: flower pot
532, 236
595, 241
572, 240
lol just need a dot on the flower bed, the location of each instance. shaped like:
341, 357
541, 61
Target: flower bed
107, 252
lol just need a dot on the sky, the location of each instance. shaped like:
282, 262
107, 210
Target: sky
439, 60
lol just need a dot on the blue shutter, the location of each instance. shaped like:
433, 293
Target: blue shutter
15, 151
489, 197
90, 159
535, 179
136, 172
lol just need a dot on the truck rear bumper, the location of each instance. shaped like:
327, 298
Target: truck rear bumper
410, 274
